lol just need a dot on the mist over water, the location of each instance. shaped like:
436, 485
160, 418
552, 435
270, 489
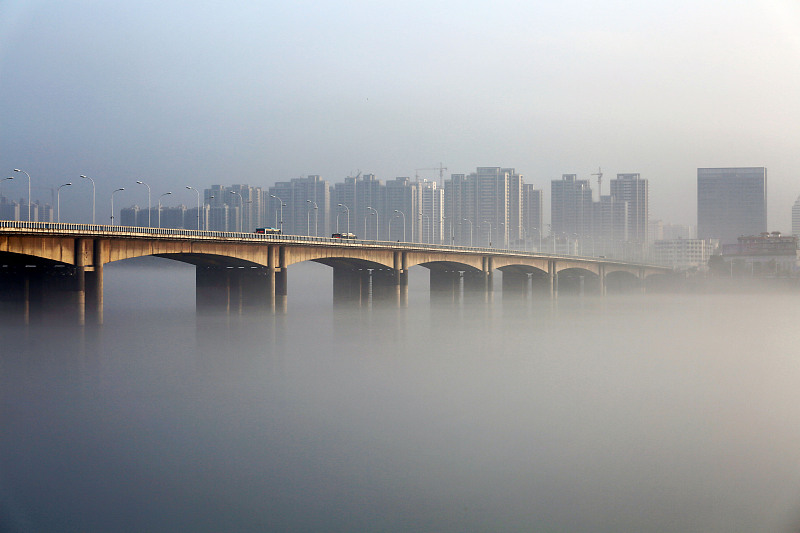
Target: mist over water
625, 413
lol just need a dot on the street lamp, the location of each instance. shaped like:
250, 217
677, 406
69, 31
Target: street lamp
58, 201
148, 203
404, 223
29, 191
241, 209
489, 236
470, 230
449, 224
348, 217
377, 223
159, 207
281, 208
198, 205
207, 213
316, 217
539, 249
93, 194
112, 203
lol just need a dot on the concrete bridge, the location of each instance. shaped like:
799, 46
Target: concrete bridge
60, 266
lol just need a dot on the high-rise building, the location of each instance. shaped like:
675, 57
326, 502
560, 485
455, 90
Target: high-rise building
796, 218
355, 195
243, 206
403, 200
570, 207
8, 210
731, 202
459, 209
610, 227
531, 216
492, 205
432, 211
308, 206
634, 190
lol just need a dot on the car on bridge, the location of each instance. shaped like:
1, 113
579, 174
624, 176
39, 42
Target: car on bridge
343, 236
267, 231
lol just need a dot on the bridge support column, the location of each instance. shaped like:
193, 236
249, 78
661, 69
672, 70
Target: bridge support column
602, 276
350, 286
642, 281
388, 287
213, 290
254, 290
553, 273
516, 284
445, 286
480, 284
16, 287
401, 273
222, 289
281, 281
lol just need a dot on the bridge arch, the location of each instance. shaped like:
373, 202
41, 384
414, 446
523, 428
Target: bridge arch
578, 279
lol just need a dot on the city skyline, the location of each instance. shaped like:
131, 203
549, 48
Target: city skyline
248, 93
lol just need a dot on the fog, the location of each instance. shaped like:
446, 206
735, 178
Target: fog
175, 93
671, 412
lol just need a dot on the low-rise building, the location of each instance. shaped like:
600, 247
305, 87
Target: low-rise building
765, 255
682, 254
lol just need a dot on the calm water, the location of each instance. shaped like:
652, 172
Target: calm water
656, 413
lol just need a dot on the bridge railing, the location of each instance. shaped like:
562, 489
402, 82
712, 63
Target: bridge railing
95, 230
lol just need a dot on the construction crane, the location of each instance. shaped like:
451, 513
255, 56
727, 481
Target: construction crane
599, 175
440, 168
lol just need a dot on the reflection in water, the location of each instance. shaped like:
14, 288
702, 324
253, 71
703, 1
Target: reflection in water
635, 413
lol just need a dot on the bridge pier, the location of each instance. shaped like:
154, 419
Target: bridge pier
479, 285
553, 274
225, 289
350, 286
445, 286
602, 280
516, 284
364, 287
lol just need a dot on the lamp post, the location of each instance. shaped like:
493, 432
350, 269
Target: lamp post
348, 217
377, 224
93, 194
404, 223
58, 201
148, 203
112, 203
316, 219
489, 235
470, 230
198, 205
451, 240
539, 249
208, 211
281, 204
29, 191
241, 209
159, 207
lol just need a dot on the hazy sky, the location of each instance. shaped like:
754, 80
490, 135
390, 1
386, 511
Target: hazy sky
195, 93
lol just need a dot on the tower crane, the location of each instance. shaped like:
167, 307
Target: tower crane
440, 168
599, 175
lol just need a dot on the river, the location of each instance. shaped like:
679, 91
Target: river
671, 413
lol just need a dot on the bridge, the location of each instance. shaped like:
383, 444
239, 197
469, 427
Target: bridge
59, 267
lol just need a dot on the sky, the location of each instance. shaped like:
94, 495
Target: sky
178, 93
